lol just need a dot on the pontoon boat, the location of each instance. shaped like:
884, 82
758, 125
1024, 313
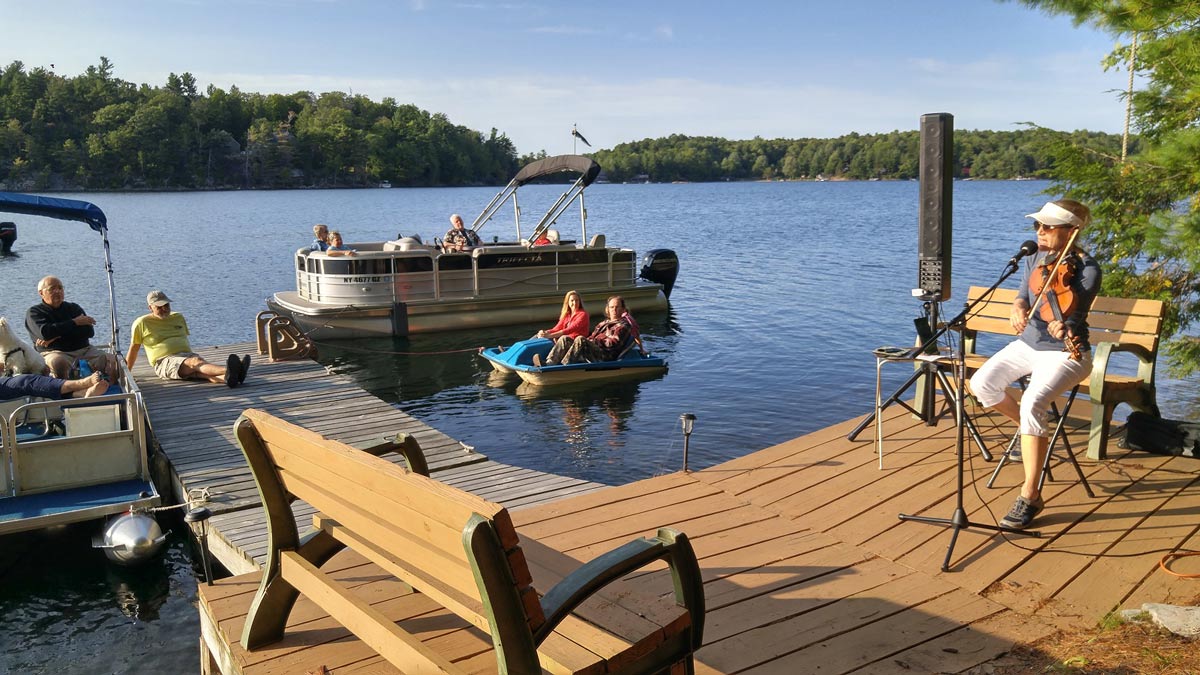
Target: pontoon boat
74, 460
407, 286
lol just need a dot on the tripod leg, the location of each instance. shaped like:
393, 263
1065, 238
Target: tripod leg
950, 548
971, 428
893, 399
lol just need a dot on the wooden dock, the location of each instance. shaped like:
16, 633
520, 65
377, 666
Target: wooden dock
193, 426
808, 569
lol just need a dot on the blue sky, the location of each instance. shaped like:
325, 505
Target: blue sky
620, 70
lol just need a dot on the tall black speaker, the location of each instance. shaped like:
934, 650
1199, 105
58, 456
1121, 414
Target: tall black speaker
934, 214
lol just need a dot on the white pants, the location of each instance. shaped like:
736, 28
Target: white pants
1050, 375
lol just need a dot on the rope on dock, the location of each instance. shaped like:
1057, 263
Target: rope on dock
392, 351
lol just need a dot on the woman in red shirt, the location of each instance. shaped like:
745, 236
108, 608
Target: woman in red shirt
573, 321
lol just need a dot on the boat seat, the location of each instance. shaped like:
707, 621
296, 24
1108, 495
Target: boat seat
597, 241
403, 244
31, 427
37, 431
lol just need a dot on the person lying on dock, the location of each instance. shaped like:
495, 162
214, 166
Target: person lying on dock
336, 247
607, 342
573, 320
458, 237
165, 334
54, 388
321, 242
61, 331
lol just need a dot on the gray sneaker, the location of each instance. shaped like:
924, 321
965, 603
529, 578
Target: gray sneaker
1014, 455
1022, 513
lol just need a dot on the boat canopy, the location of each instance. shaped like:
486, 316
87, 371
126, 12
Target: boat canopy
53, 207
544, 167
71, 209
587, 169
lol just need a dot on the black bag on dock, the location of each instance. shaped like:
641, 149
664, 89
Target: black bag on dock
1161, 436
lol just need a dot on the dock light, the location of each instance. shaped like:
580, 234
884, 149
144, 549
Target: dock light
687, 420
197, 520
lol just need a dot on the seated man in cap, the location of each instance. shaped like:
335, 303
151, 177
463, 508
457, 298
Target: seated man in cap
44, 386
165, 334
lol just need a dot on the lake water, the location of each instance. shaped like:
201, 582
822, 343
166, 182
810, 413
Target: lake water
784, 289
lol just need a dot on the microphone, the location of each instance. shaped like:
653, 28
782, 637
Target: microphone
1028, 248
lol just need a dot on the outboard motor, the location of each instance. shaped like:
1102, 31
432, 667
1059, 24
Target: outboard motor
8, 234
660, 266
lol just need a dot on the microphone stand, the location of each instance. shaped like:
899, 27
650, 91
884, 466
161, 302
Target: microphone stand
959, 520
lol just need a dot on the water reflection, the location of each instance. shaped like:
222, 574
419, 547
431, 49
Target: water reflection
71, 611
583, 427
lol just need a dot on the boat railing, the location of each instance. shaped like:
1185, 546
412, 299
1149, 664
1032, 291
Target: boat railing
375, 276
57, 445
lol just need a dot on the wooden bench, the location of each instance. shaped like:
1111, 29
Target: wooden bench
1115, 325
453, 548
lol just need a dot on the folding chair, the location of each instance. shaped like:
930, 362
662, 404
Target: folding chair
1060, 425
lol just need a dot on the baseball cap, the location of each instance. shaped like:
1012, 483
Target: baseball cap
157, 299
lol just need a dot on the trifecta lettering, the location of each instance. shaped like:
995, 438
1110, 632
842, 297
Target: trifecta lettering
519, 259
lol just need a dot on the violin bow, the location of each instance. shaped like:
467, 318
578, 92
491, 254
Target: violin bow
1062, 255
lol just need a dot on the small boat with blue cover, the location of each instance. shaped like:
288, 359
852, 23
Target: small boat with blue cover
73, 460
518, 359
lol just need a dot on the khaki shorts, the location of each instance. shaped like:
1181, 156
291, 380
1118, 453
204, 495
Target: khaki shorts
65, 365
168, 366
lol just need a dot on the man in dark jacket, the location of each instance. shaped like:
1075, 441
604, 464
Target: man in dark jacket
61, 332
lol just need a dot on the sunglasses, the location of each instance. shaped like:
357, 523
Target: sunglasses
1043, 226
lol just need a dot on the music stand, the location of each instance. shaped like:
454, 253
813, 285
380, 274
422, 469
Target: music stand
927, 368
959, 521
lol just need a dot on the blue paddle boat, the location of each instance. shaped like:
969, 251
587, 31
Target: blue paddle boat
77, 459
518, 359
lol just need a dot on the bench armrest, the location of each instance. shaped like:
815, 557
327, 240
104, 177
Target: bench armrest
408, 447
669, 545
1105, 350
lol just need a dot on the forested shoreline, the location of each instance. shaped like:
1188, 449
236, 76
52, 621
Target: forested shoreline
95, 131
1023, 153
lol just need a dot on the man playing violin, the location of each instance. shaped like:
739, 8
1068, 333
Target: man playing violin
1050, 317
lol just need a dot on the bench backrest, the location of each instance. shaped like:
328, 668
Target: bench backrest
1118, 320
443, 541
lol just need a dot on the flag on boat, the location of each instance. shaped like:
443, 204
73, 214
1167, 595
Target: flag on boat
576, 134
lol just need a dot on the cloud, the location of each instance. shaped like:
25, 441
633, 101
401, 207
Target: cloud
665, 32
564, 30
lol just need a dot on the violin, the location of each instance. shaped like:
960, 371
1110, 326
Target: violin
1051, 285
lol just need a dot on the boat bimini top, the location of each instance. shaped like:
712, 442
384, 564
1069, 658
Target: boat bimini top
587, 169
70, 209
